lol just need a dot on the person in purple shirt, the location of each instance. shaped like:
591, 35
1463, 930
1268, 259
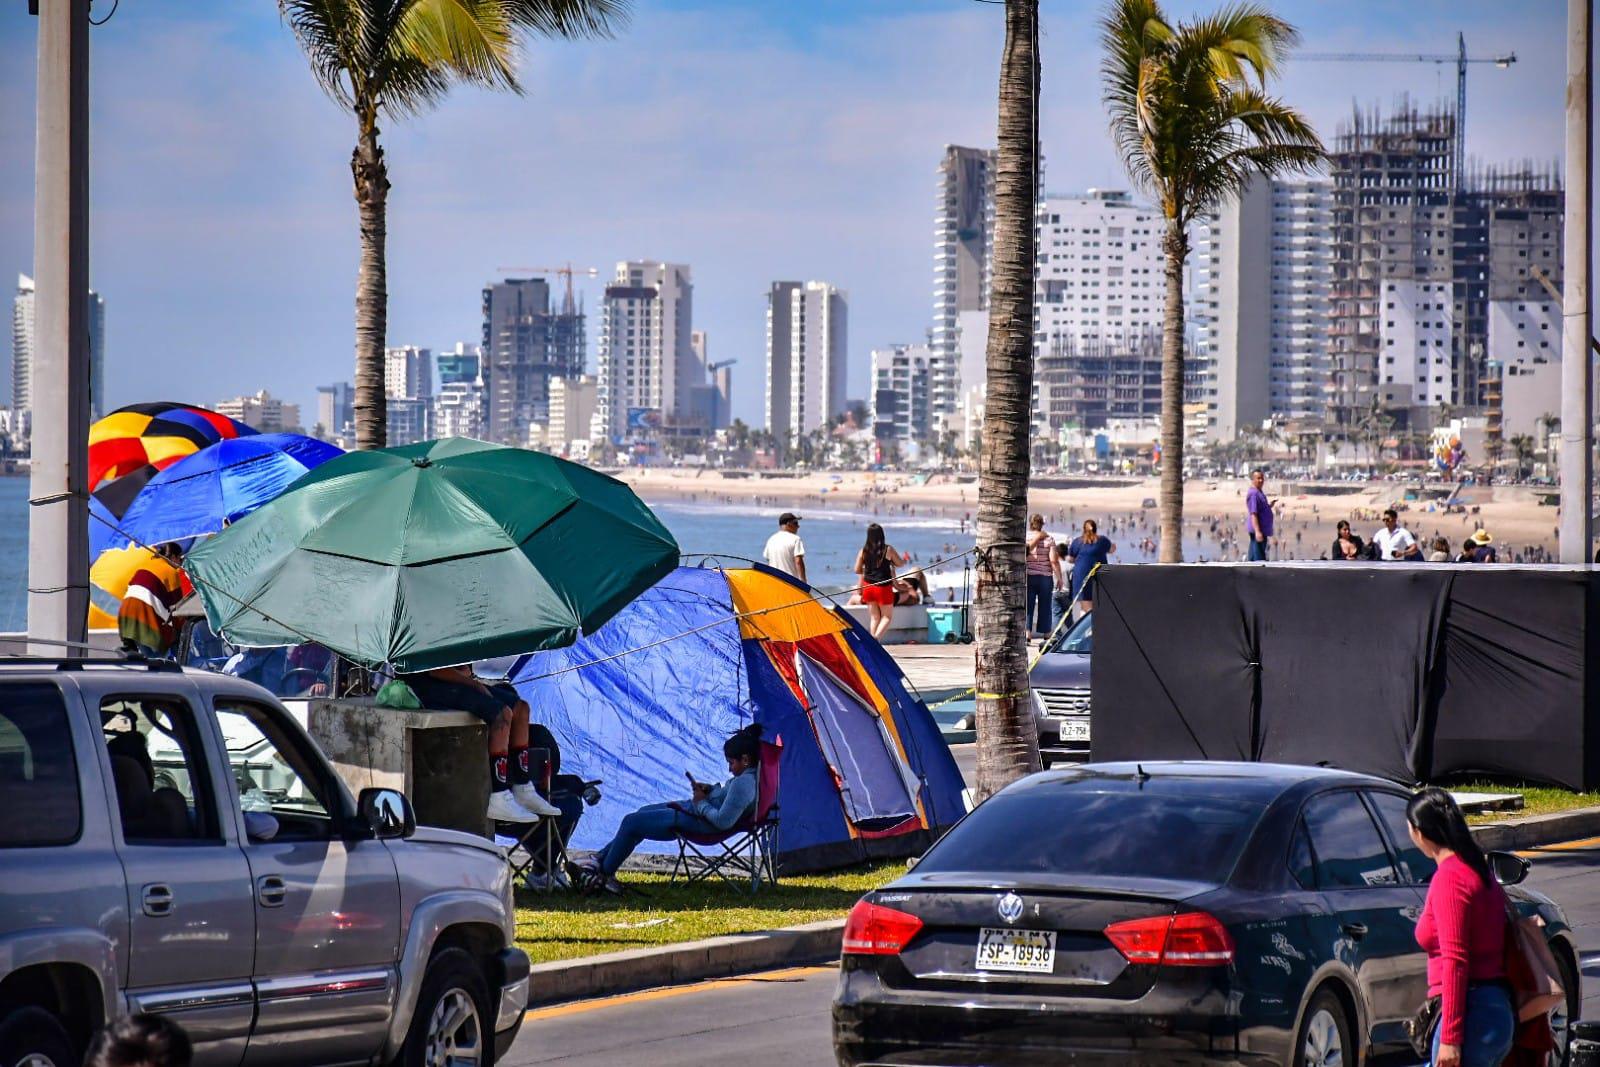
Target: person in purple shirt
1258, 516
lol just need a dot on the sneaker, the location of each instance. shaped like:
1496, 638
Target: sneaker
503, 807
529, 798
540, 883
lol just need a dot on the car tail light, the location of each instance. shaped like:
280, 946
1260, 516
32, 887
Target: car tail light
874, 930
1192, 939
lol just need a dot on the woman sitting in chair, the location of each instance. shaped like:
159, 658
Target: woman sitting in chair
714, 809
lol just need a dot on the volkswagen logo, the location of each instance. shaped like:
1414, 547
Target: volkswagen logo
1010, 907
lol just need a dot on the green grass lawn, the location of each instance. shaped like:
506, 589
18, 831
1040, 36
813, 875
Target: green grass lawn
559, 926
1536, 799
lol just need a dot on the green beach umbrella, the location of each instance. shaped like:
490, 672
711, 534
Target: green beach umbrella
432, 555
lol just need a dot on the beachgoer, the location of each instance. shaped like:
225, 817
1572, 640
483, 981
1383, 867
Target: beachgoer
1258, 513
141, 1040
567, 792
1394, 541
1346, 545
1440, 552
1044, 578
144, 618
1084, 554
512, 796
712, 809
1462, 928
911, 588
785, 551
1482, 548
875, 563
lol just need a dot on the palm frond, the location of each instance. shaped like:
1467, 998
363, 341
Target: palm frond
569, 18
327, 32
471, 39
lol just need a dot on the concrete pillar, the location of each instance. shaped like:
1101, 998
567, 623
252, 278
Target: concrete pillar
58, 539
1577, 363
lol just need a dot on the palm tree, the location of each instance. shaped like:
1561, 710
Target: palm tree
1522, 446
1193, 123
1008, 739
395, 58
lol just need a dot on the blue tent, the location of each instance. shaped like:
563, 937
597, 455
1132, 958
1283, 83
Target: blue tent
655, 691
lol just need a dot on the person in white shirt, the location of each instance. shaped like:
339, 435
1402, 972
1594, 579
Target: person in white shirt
785, 551
1394, 542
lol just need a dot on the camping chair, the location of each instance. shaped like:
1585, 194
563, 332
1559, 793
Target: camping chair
746, 852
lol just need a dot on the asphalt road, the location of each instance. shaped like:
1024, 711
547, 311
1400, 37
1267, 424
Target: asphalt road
780, 1019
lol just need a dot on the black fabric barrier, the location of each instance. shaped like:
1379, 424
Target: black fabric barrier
1411, 672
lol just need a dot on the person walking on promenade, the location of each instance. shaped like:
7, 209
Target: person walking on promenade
875, 563
1084, 554
1393, 541
1440, 552
1044, 578
1347, 547
1462, 928
1258, 516
785, 551
1482, 548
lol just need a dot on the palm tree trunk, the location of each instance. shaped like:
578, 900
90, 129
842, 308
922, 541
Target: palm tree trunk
1175, 246
371, 177
1008, 739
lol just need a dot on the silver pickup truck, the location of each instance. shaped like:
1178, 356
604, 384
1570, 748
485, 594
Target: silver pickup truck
172, 841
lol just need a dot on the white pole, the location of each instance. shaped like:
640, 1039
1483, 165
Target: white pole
1577, 364
58, 545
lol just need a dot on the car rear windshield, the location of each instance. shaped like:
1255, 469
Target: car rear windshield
1116, 834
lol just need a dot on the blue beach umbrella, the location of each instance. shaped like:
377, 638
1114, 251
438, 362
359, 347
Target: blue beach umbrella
221, 484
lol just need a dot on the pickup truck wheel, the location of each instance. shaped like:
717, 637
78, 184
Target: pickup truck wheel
453, 1025
32, 1037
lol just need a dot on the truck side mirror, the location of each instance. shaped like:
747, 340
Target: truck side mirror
387, 812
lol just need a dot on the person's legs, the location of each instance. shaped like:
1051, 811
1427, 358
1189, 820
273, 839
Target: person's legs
659, 822
1040, 588
887, 620
1258, 551
1491, 1027
874, 617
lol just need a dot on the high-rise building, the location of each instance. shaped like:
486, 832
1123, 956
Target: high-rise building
571, 412
459, 409
408, 372
22, 348
336, 412
900, 399
963, 257
722, 382
525, 345
409, 419
647, 366
263, 411
463, 363
1259, 300
807, 356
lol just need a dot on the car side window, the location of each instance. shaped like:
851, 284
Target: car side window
158, 770
1349, 852
282, 787
39, 799
1302, 865
1415, 866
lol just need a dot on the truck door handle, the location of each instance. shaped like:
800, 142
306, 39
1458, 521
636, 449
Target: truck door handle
271, 891
1356, 930
157, 900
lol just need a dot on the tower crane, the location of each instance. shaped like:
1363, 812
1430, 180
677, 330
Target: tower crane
567, 305
1460, 59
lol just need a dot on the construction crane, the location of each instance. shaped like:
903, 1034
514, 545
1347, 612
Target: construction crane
568, 307
1460, 59
712, 368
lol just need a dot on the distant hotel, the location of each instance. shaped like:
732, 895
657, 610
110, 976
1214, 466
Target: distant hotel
22, 344
807, 357
263, 411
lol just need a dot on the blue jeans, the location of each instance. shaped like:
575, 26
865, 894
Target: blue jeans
1041, 602
1491, 1027
1258, 550
653, 822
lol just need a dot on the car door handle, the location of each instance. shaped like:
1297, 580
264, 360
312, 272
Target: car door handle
271, 891
157, 900
1356, 931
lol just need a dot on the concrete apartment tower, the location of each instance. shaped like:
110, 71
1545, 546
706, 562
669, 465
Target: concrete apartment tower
963, 238
646, 359
807, 356
525, 345
408, 372
899, 401
22, 342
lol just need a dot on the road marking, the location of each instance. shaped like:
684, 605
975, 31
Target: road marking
1564, 846
556, 1011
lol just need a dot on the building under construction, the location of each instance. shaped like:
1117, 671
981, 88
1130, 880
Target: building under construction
1418, 253
525, 345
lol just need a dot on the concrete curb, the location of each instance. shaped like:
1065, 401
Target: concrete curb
1538, 830
692, 961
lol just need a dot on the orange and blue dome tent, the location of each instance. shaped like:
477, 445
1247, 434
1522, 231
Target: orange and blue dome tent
705, 651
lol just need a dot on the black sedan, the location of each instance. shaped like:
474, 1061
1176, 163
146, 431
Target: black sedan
1163, 913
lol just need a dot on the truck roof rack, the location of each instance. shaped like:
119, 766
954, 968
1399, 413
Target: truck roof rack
76, 663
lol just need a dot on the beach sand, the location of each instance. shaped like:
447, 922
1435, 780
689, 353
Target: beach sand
1518, 522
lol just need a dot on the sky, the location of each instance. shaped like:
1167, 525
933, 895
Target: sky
756, 140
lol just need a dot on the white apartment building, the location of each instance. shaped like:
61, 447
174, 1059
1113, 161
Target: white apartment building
1416, 326
647, 366
408, 372
963, 254
1260, 285
572, 402
901, 416
1525, 341
263, 411
22, 346
807, 356
460, 409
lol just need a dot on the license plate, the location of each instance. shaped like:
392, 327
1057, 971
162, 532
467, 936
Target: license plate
1074, 731
1001, 949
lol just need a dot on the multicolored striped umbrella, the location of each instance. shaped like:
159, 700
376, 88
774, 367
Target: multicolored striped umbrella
156, 435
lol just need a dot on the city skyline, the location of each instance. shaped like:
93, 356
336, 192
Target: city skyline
224, 230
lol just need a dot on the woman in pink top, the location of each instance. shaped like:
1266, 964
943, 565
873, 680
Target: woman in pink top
1463, 930
1044, 578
